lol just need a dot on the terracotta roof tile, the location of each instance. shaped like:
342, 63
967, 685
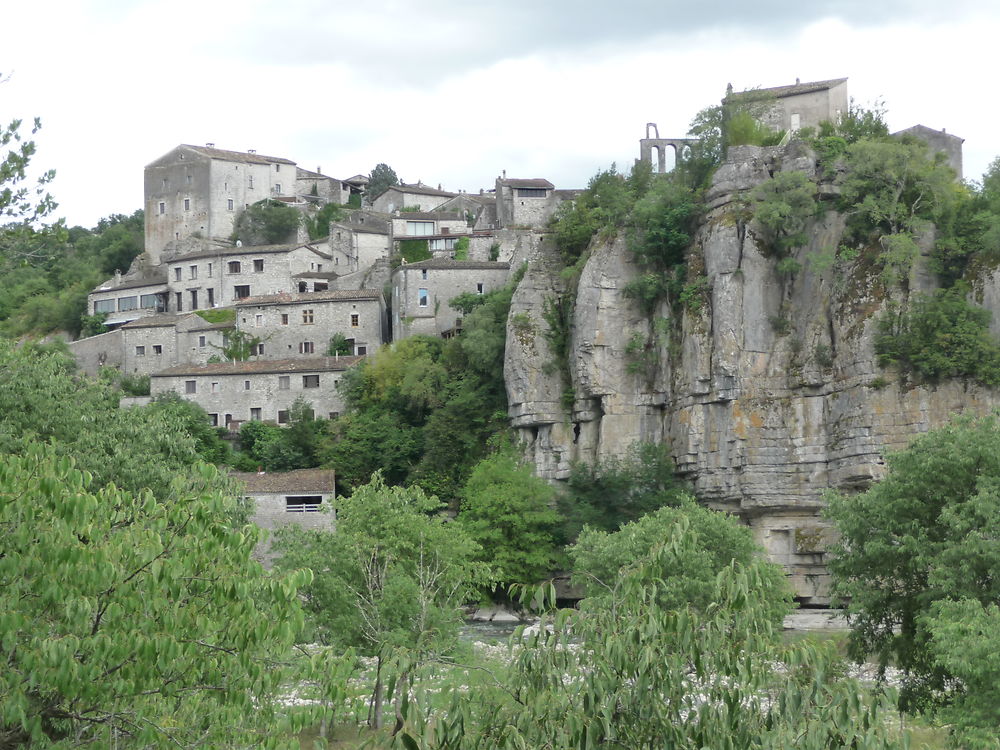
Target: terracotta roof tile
327, 296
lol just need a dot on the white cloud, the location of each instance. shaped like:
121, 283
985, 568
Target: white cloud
455, 93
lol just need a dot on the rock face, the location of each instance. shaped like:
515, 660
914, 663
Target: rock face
768, 394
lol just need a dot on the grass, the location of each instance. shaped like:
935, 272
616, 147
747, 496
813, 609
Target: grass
218, 315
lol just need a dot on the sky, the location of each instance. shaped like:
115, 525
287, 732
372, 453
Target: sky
454, 92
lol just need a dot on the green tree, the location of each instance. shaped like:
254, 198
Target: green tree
266, 222
382, 178
127, 619
924, 534
391, 577
194, 420
507, 511
782, 208
371, 440
18, 201
633, 674
339, 345
318, 225
715, 540
238, 345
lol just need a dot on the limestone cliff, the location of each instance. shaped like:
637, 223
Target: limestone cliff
767, 394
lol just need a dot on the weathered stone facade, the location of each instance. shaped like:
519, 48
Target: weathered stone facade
301, 325
156, 343
302, 498
419, 196
760, 417
236, 392
940, 141
421, 292
799, 105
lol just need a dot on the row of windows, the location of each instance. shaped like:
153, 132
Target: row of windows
123, 304
308, 318
284, 384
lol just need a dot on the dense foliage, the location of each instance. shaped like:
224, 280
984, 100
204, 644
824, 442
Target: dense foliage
918, 553
381, 178
266, 222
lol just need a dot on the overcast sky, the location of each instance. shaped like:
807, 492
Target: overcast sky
454, 92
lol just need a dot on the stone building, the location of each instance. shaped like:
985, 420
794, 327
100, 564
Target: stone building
417, 196
198, 190
798, 105
421, 293
355, 246
220, 277
440, 230
301, 325
303, 498
479, 210
940, 141
236, 392
124, 299
159, 342
316, 187
524, 203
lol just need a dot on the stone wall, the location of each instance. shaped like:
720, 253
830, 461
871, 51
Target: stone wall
95, 352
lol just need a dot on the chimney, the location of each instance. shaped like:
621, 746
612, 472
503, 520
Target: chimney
319, 170
210, 145
797, 82
251, 151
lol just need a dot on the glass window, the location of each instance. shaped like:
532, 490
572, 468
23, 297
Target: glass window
193, 270
242, 291
140, 351
282, 417
104, 306
190, 386
209, 270
163, 208
229, 204
149, 301
258, 265
355, 320
422, 297
233, 267
157, 349
307, 317
177, 273
283, 382
201, 342
310, 381
246, 385
187, 204
127, 303
284, 319
307, 347
419, 228
255, 413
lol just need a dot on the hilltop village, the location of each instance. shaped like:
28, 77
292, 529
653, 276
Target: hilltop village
245, 329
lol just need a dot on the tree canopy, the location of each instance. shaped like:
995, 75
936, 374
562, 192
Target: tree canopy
382, 178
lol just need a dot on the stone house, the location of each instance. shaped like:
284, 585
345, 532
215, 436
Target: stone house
303, 498
220, 277
316, 187
357, 245
941, 141
524, 203
301, 325
479, 210
417, 196
157, 343
236, 392
125, 299
421, 292
798, 105
198, 191
440, 230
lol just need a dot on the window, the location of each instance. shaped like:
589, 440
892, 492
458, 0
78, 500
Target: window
188, 179
201, 342
303, 503
213, 419
259, 351
229, 204
246, 385
531, 192
242, 291
355, 320
177, 273
215, 387
233, 266
140, 351
419, 228
251, 182
157, 349
334, 414
423, 274
254, 413
193, 272
283, 382
284, 319
277, 188
361, 350
282, 417
307, 317
179, 299
187, 204
164, 182
422, 297
104, 306
258, 320
310, 381
307, 347
163, 207
319, 267
443, 243
258, 265
194, 299
209, 270
479, 288
211, 297
796, 121
149, 301
127, 303
277, 167
190, 386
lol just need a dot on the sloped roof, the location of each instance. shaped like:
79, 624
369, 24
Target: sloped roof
780, 92
331, 295
448, 264
923, 130
157, 278
263, 366
240, 156
299, 480
421, 190
247, 250
429, 215
362, 228
163, 320
536, 182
